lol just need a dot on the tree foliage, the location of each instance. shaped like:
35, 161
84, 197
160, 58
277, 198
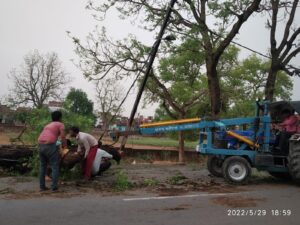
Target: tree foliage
36, 119
77, 102
246, 82
242, 82
38, 80
100, 55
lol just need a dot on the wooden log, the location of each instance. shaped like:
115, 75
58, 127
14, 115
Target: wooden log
14, 154
15, 151
69, 157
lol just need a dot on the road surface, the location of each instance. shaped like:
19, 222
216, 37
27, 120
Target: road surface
261, 204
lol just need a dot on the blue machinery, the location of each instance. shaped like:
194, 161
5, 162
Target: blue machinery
248, 139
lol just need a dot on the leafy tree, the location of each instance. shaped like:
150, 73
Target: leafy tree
39, 79
36, 119
283, 48
181, 80
102, 56
77, 102
246, 82
179, 86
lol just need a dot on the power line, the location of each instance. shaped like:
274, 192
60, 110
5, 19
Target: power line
254, 51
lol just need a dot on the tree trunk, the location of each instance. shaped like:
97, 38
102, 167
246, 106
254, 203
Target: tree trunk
15, 152
214, 88
181, 147
13, 155
271, 82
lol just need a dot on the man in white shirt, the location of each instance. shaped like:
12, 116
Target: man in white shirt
101, 162
90, 145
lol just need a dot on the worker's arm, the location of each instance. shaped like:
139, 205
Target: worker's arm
86, 146
63, 136
79, 147
80, 151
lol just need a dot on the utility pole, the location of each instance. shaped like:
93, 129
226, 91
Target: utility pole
148, 70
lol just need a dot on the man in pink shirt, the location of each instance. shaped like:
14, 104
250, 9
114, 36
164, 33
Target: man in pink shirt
48, 151
287, 128
290, 123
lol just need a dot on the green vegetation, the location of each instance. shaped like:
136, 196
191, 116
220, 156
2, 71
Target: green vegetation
175, 180
77, 102
151, 182
163, 141
71, 174
122, 182
35, 121
34, 164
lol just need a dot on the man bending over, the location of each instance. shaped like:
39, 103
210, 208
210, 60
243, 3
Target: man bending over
90, 145
101, 162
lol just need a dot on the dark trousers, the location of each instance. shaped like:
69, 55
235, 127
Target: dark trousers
48, 154
284, 141
105, 165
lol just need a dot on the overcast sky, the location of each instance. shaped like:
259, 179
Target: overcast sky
26, 25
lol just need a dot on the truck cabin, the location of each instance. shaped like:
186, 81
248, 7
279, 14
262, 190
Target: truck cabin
285, 122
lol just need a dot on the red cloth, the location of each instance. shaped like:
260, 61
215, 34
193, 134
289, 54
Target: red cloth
87, 172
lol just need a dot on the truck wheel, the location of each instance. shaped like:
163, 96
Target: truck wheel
281, 176
294, 161
236, 170
214, 165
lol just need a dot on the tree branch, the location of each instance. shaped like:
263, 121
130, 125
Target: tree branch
236, 27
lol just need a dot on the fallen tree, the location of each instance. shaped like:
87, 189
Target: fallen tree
19, 155
15, 152
13, 155
16, 156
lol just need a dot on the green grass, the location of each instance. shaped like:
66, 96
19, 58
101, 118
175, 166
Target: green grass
175, 180
151, 182
122, 182
163, 141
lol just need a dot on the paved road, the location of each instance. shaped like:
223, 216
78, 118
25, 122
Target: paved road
143, 208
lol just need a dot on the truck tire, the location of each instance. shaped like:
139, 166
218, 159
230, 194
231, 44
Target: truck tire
214, 165
294, 161
236, 170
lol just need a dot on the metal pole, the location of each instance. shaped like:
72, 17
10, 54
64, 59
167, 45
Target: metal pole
148, 69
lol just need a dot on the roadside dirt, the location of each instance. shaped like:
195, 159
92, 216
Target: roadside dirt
160, 180
138, 175
4, 139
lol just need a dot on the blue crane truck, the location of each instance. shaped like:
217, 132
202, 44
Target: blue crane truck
235, 146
